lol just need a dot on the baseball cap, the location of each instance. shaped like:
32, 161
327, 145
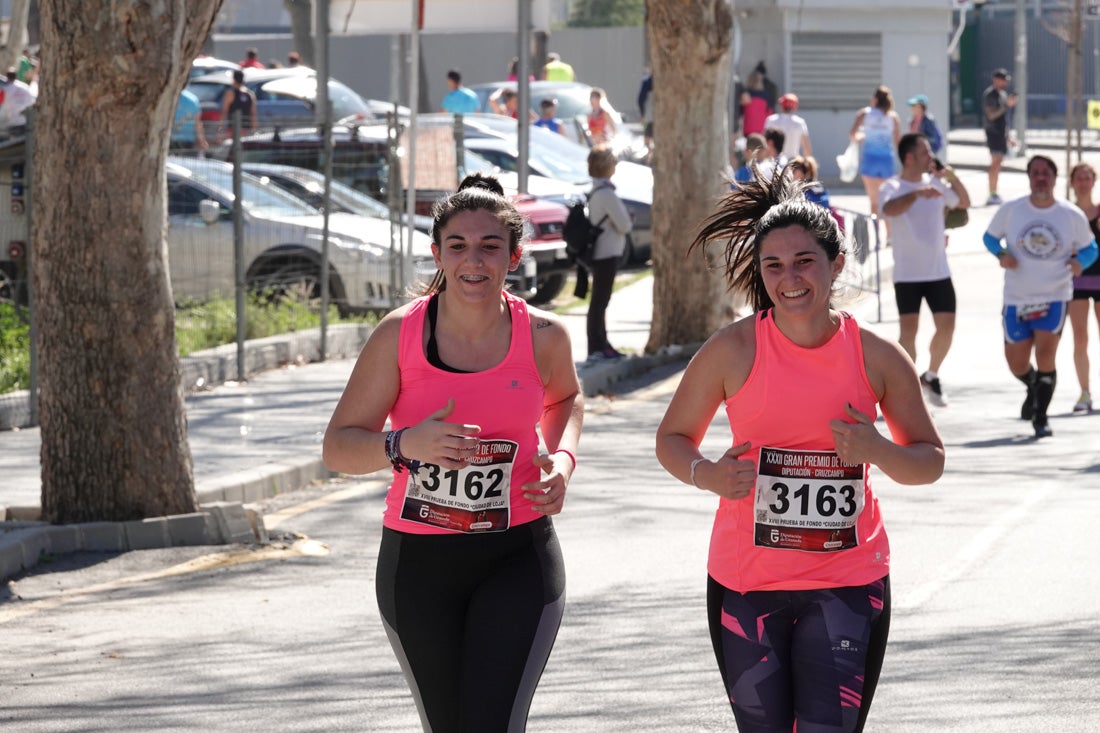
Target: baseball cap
919, 99
1002, 74
788, 101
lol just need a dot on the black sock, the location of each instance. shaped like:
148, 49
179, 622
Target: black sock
1044, 392
1029, 377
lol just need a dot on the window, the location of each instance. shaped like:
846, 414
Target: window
838, 71
183, 198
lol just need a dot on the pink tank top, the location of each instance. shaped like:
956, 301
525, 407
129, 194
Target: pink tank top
505, 400
812, 522
597, 126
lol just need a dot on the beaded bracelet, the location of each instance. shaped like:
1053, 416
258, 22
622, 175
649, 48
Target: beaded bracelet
394, 455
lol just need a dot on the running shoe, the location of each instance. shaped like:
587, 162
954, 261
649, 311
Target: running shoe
612, 353
1027, 410
1042, 427
1084, 402
932, 391
993, 200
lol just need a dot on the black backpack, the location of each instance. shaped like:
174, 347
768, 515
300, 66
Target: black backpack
579, 233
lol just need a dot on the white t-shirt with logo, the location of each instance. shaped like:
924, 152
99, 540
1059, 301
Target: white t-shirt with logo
917, 234
1041, 240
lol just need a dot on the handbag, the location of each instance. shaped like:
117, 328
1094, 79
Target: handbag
955, 218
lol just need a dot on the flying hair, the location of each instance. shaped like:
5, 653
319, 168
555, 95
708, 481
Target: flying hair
750, 212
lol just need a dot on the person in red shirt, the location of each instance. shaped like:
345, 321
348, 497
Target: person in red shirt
601, 125
251, 60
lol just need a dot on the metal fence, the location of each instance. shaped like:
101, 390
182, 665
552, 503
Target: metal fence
862, 241
372, 263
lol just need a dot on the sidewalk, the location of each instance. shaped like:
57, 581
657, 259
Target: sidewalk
255, 439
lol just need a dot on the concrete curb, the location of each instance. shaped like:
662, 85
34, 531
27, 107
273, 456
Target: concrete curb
24, 544
227, 516
599, 378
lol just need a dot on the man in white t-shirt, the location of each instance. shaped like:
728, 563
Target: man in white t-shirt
1048, 243
913, 204
15, 97
796, 140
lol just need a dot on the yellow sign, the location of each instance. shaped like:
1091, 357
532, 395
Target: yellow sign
1093, 114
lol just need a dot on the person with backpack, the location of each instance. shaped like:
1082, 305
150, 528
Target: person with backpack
608, 211
237, 98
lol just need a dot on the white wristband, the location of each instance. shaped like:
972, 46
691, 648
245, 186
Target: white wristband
695, 463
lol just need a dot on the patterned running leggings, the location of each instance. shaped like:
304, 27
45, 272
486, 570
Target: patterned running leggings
809, 658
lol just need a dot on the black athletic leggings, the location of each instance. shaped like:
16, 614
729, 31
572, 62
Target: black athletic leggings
810, 657
472, 619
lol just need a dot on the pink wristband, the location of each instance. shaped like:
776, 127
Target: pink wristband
570, 454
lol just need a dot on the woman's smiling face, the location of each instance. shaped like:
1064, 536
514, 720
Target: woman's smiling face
473, 252
796, 271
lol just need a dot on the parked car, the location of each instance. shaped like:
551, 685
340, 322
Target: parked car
359, 161
309, 185
574, 103
282, 243
204, 65
494, 138
285, 97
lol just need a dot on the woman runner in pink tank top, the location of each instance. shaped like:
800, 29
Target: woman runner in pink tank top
798, 589
470, 580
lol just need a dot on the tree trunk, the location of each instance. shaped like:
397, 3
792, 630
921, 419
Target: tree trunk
114, 432
301, 24
689, 49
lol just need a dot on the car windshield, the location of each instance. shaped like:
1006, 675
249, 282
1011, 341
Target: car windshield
474, 163
572, 101
546, 160
347, 197
207, 91
259, 200
345, 102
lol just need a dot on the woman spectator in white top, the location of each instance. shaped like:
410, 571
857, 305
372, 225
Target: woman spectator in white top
605, 210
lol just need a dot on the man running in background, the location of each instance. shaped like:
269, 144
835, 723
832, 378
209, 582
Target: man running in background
913, 204
1048, 243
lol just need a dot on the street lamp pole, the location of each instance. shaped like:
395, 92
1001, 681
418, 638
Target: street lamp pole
1021, 75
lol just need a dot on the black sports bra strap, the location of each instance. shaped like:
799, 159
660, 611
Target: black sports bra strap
432, 349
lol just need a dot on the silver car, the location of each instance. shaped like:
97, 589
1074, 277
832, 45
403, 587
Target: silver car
282, 244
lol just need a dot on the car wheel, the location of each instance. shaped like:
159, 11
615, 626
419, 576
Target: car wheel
288, 280
548, 288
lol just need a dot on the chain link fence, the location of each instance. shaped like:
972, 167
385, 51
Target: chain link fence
268, 272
